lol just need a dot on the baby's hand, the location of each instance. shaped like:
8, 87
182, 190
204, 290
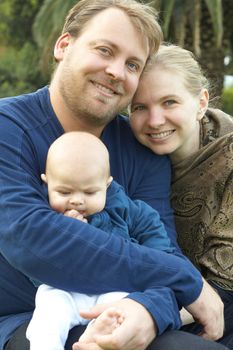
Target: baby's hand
73, 213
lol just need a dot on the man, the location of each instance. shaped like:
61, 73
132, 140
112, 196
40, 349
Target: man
101, 53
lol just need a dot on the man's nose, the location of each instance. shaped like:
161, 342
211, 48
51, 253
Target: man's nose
116, 69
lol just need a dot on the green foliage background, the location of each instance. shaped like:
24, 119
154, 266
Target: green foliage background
19, 54
227, 98
28, 29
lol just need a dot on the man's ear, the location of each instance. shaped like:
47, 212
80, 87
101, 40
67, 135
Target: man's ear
43, 178
110, 179
61, 45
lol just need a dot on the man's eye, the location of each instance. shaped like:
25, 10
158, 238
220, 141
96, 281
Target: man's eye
133, 67
104, 50
90, 193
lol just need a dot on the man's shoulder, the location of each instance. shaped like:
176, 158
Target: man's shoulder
25, 110
24, 98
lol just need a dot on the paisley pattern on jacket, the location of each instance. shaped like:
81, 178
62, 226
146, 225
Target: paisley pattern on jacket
202, 199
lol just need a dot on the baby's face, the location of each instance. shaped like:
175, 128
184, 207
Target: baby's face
85, 192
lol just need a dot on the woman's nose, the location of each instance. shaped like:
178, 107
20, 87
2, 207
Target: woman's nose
156, 117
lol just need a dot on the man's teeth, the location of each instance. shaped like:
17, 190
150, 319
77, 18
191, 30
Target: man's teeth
104, 88
161, 135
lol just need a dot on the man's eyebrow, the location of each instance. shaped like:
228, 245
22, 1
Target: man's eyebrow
114, 46
103, 41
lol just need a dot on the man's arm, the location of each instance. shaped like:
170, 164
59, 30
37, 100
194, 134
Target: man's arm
208, 310
49, 247
132, 335
52, 248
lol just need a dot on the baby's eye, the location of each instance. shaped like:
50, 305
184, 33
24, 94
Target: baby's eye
90, 193
64, 193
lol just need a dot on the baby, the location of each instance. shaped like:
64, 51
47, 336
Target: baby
80, 186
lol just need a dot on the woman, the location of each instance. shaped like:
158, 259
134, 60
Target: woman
170, 115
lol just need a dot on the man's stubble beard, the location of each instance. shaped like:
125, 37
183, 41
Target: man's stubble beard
89, 113
81, 106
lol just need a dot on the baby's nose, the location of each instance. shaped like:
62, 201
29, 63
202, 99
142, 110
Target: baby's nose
77, 200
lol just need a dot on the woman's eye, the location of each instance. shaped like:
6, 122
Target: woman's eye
169, 102
137, 108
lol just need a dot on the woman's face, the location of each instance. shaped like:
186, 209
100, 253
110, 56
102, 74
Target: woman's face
165, 115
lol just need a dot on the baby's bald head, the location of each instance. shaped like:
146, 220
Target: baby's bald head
77, 173
81, 151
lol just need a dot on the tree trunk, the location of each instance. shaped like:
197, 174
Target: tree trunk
211, 58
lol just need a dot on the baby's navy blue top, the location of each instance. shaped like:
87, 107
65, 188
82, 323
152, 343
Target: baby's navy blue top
134, 220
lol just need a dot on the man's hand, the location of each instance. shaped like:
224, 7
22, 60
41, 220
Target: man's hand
186, 317
135, 333
208, 310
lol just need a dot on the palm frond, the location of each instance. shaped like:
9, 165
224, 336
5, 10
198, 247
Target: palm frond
47, 27
215, 10
167, 7
50, 19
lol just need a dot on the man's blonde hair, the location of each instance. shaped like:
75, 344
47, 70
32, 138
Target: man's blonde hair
142, 16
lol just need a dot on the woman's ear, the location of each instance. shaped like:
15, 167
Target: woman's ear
43, 178
203, 103
61, 45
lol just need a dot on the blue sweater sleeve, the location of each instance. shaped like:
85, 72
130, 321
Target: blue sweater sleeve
166, 312
135, 219
147, 227
61, 251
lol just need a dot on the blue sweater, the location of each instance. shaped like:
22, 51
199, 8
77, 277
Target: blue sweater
38, 243
132, 220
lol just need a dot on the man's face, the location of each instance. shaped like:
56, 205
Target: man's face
99, 71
